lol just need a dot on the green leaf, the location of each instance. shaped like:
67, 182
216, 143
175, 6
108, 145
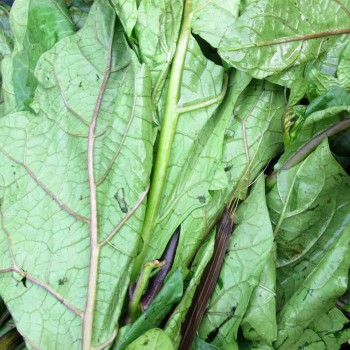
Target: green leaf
319, 83
169, 295
319, 115
79, 10
309, 209
196, 151
6, 40
37, 25
259, 323
272, 36
315, 297
256, 124
151, 340
46, 194
127, 13
157, 30
199, 344
211, 19
248, 252
343, 71
303, 203
173, 326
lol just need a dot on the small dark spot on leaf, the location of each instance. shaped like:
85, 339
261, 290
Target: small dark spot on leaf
146, 342
97, 77
62, 281
24, 281
120, 197
81, 84
81, 197
201, 199
228, 168
14, 173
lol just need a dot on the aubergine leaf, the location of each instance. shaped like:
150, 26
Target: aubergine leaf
200, 219
199, 344
318, 83
211, 19
160, 307
37, 25
272, 36
309, 208
326, 332
248, 252
6, 44
343, 72
157, 30
257, 125
151, 340
46, 193
196, 150
127, 13
173, 325
6, 39
79, 10
319, 115
310, 307
259, 323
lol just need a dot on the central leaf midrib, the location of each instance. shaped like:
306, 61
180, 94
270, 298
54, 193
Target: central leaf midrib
88, 318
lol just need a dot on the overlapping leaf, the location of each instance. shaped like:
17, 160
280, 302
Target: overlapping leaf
36, 26
252, 242
127, 13
195, 154
309, 207
153, 339
157, 30
211, 19
44, 189
273, 36
173, 326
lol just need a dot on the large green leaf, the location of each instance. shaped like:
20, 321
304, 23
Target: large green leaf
324, 333
127, 13
211, 19
152, 340
157, 30
6, 40
343, 72
253, 136
248, 252
259, 323
309, 207
48, 228
274, 35
317, 117
315, 297
36, 25
196, 150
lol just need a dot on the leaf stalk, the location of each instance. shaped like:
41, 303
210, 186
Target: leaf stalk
167, 135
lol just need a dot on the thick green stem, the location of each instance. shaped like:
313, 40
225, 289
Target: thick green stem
167, 134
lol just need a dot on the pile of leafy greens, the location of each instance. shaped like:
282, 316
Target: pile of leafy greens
122, 122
